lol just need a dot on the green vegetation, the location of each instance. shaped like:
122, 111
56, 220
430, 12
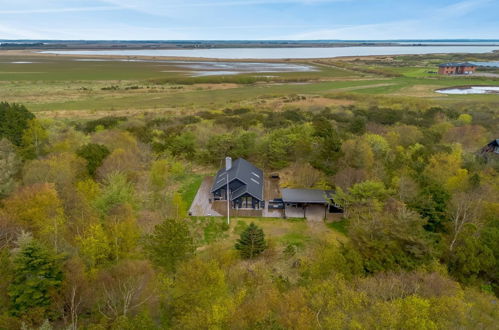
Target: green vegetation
95, 201
14, 120
36, 279
94, 154
53, 83
252, 242
169, 244
340, 226
190, 188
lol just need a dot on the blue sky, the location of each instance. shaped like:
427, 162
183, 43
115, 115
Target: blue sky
248, 19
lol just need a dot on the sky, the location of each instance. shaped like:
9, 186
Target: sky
248, 19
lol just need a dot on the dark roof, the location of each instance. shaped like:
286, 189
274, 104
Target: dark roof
493, 146
247, 173
456, 64
313, 196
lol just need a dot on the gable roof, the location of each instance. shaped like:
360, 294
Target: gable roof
242, 170
312, 196
456, 64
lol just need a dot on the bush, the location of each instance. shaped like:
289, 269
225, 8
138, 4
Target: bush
105, 122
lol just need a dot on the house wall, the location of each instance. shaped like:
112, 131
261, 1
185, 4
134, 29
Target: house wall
221, 208
254, 203
469, 69
447, 70
456, 69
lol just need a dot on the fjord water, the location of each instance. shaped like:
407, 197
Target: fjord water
282, 53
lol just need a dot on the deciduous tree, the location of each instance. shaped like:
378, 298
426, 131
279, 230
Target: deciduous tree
38, 208
125, 287
34, 139
170, 243
10, 165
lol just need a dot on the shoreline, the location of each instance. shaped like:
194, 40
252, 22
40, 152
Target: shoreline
39, 53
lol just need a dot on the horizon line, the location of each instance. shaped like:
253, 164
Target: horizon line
257, 40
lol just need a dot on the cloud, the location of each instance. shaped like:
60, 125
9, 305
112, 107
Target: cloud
381, 31
230, 3
58, 10
248, 19
461, 8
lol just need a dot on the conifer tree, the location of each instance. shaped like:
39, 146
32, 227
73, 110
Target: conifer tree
94, 154
14, 119
37, 277
252, 242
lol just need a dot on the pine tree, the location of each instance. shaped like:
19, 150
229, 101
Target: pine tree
94, 154
14, 120
37, 277
252, 242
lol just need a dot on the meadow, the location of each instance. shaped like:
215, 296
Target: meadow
67, 85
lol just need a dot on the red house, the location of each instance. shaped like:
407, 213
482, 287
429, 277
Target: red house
456, 68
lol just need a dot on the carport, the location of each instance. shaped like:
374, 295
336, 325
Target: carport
312, 204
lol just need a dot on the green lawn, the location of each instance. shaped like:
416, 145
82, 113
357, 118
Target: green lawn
189, 188
339, 226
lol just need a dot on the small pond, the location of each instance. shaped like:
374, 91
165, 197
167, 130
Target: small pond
470, 90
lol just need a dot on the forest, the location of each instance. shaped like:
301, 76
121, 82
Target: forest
99, 166
94, 232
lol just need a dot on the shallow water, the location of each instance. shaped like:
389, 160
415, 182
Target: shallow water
277, 53
470, 90
233, 68
211, 68
489, 64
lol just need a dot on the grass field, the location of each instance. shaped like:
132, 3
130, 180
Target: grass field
282, 233
68, 87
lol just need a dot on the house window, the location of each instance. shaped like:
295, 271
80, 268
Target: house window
246, 202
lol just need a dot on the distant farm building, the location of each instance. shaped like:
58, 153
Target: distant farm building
456, 68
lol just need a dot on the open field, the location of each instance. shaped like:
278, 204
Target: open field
64, 86
281, 232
